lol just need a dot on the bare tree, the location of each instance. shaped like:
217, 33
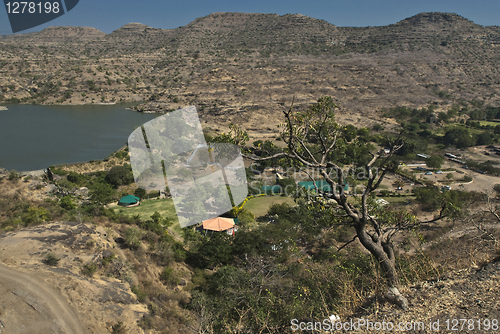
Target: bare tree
488, 223
312, 138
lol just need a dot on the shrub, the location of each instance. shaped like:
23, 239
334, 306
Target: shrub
51, 259
119, 328
141, 295
14, 175
65, 184
89, 269
58, 171
180, 254
169, 276
67, 203
122, 155
36, 214
106, 260
132, 238
76, 178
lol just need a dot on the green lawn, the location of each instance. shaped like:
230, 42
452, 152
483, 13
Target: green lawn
164, 206
260, 205
489, 123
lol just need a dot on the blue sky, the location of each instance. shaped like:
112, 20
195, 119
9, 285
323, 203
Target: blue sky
109, 15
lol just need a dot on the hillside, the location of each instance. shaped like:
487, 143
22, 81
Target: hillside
94, 274
241, 68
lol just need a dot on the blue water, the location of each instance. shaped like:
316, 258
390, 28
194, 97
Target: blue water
35, 137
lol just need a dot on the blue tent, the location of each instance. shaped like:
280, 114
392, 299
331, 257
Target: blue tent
129, 200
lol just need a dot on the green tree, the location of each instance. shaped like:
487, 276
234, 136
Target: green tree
435, 161
120, 175
245, 217
485, 138
216, 250
140, 192
102, 193
458, 136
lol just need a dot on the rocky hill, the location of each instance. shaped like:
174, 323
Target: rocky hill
239, 67
55, 35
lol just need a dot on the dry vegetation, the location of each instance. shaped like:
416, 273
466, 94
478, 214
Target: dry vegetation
240, 67
147, 286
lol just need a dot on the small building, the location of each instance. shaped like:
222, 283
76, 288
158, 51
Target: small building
129, 201
432, 118
423, 156
220, 224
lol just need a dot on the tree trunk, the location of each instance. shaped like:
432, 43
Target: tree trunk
384, 254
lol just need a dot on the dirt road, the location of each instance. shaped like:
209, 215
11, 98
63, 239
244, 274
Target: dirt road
28, 305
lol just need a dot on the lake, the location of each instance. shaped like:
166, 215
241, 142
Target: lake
36, 136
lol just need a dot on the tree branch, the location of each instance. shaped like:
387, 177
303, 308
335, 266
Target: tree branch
345, 245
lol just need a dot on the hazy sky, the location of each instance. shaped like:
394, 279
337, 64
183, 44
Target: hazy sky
109, 15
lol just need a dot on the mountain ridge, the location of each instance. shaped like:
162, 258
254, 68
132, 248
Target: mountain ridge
244, 66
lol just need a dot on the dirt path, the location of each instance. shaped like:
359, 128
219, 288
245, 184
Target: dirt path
27, 305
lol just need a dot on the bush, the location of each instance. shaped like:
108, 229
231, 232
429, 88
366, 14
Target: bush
435, 161
122, 155
132, 238
76, 178
36, 214
169, 276
119, 328
51, 259
14, 175
58, 171
141, 295
180, 254
89, 269
430, 198
67, 203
